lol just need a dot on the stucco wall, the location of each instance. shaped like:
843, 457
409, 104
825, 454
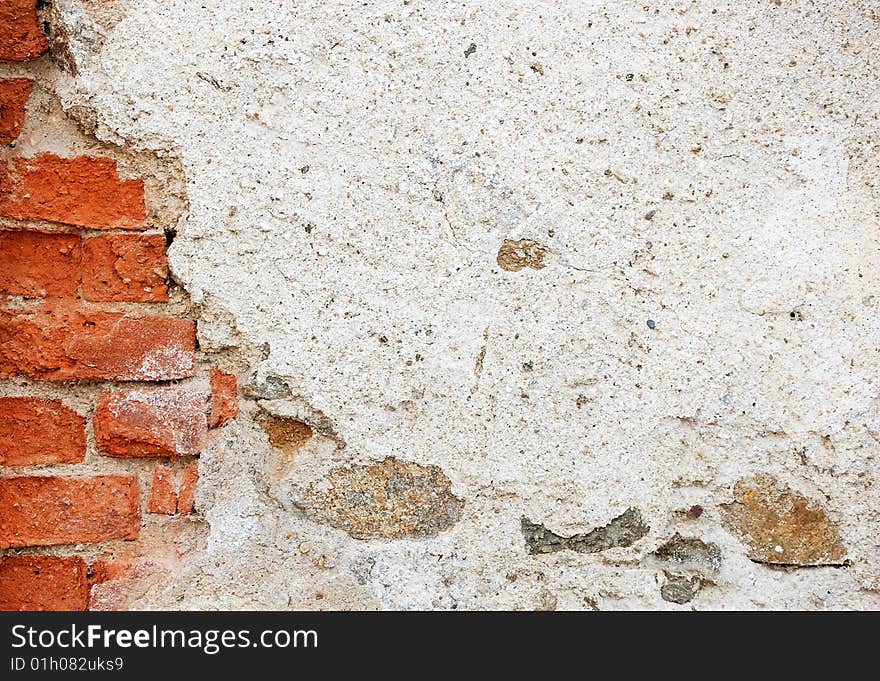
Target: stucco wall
494, 273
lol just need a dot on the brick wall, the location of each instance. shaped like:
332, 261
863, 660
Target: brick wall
105, 401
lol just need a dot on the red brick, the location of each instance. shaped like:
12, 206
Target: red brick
14, 94
43, 583
34, 432
63, 344
190, 478
224, 397
125, 268
20, 34
163, 495
38, 264
104, 570
84, 191
152, 422
45, 511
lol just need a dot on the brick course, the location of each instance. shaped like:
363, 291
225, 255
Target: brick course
80, 306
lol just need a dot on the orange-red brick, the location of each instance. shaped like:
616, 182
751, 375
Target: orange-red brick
152, 422
45, 511
224, 397
124, 267
43, 583
187, 497
72, 344
14, 94
85, 191
163, 495
20, 34
37, 264
35, 431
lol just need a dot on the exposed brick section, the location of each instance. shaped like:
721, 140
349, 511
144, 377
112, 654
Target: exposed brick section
35, 431
38, 264
20, 34
163, 495
72, 344
189, 479
14, 94
125, 268
43, 583
55, 325
152, 422
224, 397
45, 511
84, 191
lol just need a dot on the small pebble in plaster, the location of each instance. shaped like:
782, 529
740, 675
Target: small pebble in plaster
470, 50
285, 433
680, 589
689, 553
652, 324
515, 255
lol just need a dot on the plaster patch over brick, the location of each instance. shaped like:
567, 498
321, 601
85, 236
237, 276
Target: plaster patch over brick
560, 285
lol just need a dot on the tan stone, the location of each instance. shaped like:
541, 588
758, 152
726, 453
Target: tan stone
515, 255
781, 526
286, 434
388, 499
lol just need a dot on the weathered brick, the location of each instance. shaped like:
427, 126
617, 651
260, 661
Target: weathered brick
72, 344
14, 94
84, 191
45, 511
38, 264
188, 481
163, 495
20, 34
43, 583
224, 397
124, 267
152, 422
35, 431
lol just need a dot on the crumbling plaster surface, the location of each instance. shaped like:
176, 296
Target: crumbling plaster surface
353, 170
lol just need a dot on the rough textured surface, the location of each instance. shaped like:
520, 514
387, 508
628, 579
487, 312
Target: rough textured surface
224, 397
14, 94
781, 526
689, 553
36, 432
163, 495
43, 583
125, 268
285, 433
83, 191
680, 589
45, 510
704, 179
388, 499
515, 255
152, 422
62, 344
623, 531
39, 264
20, 34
